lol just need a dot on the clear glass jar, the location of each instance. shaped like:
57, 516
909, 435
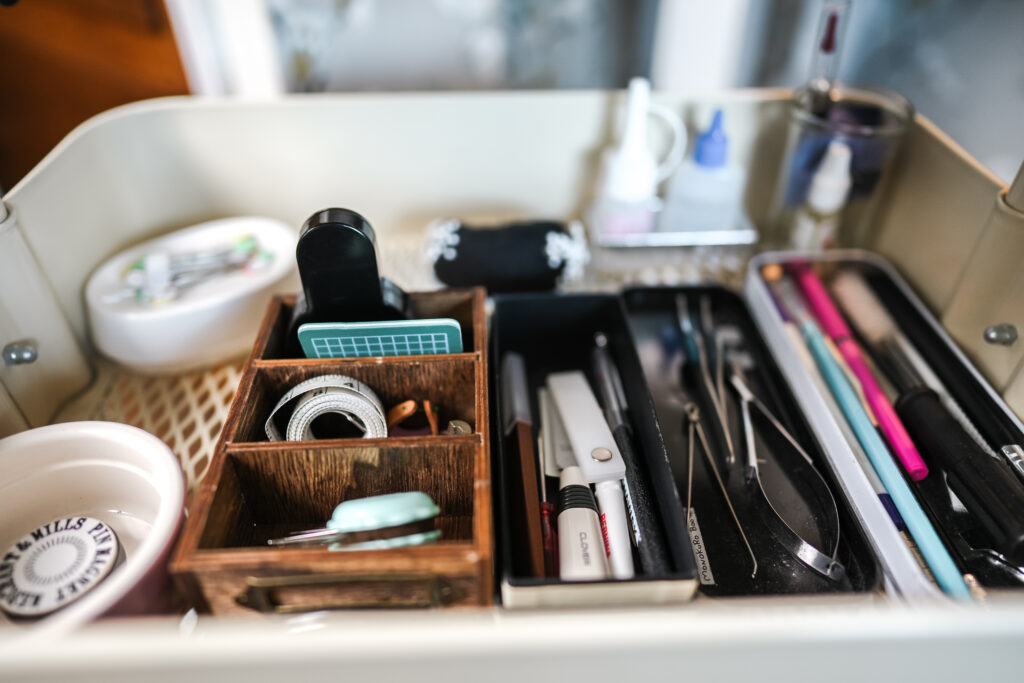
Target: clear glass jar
872, 121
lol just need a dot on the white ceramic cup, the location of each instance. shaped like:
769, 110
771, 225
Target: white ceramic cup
120, 475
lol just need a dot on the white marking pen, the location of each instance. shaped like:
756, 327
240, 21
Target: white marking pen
599, 461
581, 555
615, 525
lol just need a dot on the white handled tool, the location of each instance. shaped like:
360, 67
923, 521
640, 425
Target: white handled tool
599, 460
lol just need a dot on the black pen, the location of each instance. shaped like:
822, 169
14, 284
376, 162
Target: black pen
650, 541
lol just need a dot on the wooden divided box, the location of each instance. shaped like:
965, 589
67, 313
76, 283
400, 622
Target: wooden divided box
258, 489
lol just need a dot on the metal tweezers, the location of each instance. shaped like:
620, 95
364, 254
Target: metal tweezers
697, 344
695, 430
826, 565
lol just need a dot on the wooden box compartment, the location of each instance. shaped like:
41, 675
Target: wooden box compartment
269, 492
446, 381
458, 304
259, 489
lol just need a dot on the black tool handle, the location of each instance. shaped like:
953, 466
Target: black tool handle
986, 487
651, 545
337, 259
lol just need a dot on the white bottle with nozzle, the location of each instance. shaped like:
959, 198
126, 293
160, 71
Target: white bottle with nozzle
626, 199
816, 222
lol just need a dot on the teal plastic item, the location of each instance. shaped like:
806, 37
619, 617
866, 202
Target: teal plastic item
388, 338
381, 512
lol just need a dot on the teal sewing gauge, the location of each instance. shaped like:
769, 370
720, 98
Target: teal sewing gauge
388, 338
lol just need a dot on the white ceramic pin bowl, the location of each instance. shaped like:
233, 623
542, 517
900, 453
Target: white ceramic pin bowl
120, 475
208, 323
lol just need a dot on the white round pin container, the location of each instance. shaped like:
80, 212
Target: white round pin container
106, 473
207, 323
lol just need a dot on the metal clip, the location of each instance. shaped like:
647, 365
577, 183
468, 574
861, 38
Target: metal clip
825, 564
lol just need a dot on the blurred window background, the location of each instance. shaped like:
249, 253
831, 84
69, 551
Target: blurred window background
961, 62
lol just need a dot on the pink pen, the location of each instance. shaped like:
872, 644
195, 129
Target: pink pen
835, 327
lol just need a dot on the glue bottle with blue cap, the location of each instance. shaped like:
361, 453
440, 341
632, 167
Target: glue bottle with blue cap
706, 192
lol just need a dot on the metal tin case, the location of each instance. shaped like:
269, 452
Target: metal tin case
902, 568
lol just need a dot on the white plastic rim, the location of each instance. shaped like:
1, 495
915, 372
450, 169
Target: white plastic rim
210, 322
119, 474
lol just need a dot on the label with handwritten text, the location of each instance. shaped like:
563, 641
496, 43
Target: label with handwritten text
700, 554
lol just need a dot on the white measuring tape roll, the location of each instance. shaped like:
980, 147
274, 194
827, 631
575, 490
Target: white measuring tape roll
325, 394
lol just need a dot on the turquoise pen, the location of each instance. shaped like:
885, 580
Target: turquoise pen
934, 552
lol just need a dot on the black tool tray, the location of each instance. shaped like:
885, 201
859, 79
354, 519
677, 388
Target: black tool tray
652, 317
555, 333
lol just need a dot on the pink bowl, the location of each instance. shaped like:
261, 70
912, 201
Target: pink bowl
118, 474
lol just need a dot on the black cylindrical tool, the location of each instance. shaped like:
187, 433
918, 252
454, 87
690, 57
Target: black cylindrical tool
984, 485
